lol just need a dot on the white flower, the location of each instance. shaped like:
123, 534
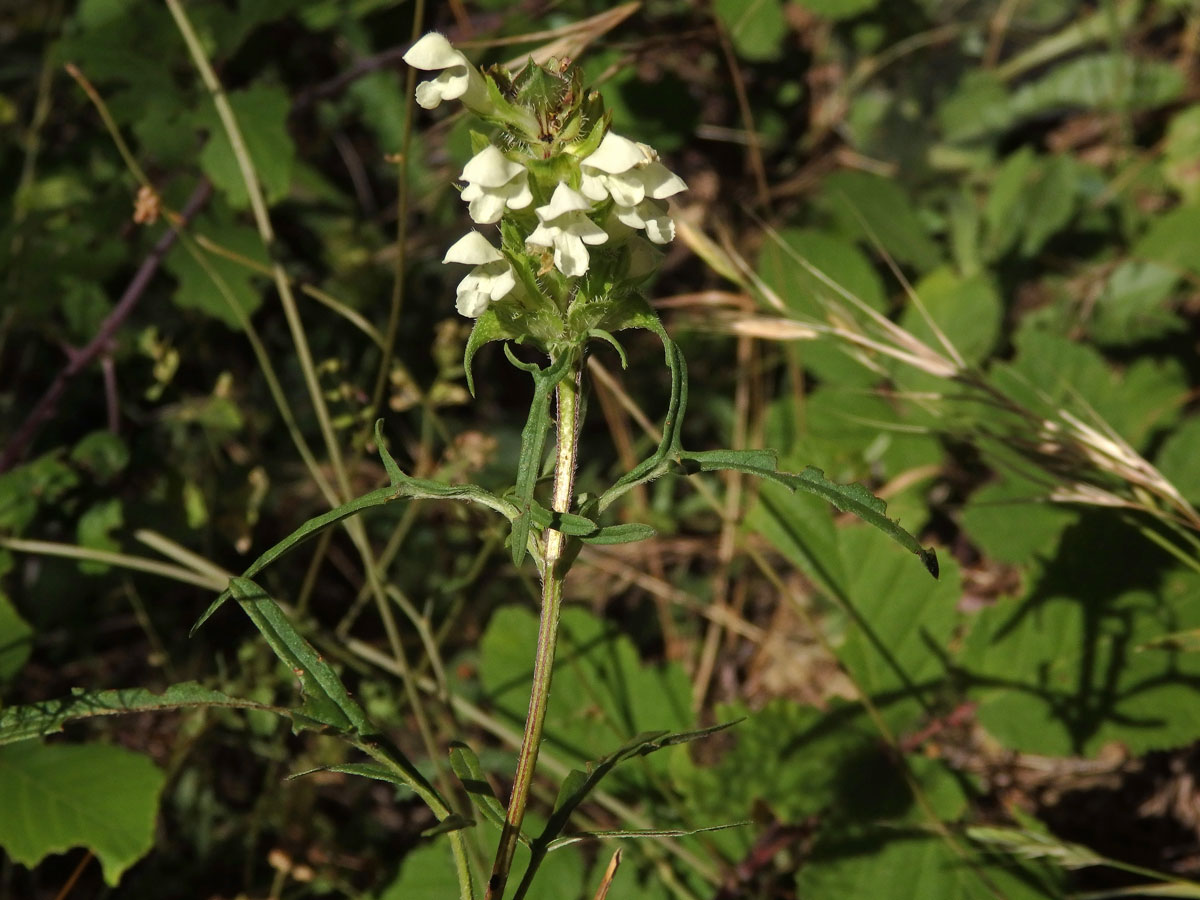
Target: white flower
491, 279
626, 171
566, 227
493, 182
457, 79
650, 215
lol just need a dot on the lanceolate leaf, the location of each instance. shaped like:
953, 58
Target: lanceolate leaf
578, 785
851, 498
19, 723
466, 766
533, 443
402, 488
624, 533
326, 700
569, 839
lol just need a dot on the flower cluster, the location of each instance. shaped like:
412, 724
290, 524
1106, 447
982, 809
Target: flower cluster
558, 180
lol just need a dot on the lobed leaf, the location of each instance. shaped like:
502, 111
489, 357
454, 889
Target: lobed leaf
19, 723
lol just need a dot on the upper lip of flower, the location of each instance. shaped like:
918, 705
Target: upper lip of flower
491, 279
629, 172
473, 249
564, 226
494, 182
457, 78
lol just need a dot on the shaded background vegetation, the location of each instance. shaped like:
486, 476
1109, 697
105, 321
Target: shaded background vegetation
1016, 185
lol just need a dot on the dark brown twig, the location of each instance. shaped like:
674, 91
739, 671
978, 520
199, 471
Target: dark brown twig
47, 405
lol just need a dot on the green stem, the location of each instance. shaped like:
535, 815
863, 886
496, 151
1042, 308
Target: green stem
553, 573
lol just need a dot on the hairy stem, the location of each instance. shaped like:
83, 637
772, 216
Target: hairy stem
553, 573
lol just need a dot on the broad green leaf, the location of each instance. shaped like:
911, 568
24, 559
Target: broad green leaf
1011, 520
794, 759
94, 532
1135, 304
1051, 373
602, 691
780, 265
427, 873
1032, 198
891, 864
16, 643
1180, 152
873, 208
901, 627
802, 529
1177, 459
1099, 81
59, 796
261, 112
19, 723
101, 454
197, 290
1075, 662
1171, 240
756, 27
837, 10
967, 311
43, 480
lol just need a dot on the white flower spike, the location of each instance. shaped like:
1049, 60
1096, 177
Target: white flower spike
493, 183
457, 78
490, 280
565, 226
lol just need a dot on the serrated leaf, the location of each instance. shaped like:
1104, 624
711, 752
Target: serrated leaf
19, 723
865, 863
1073, 664
756, 27
196, 289
1135, 304
1099, 81
968, 311
261, 112
873, 208
59, 796
851, 498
